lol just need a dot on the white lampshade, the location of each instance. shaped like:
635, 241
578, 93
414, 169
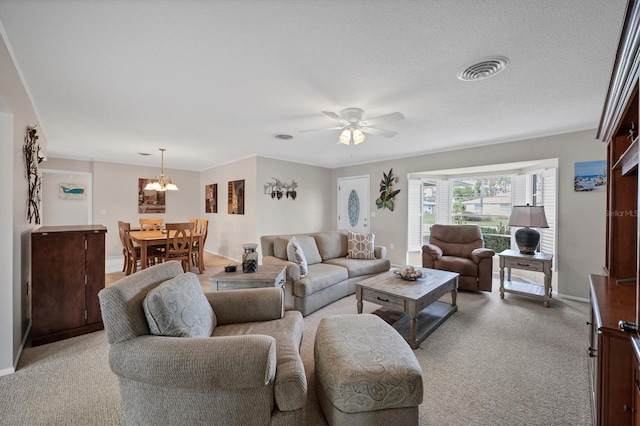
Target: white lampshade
358, 136
153, 186
528, 216
345, 136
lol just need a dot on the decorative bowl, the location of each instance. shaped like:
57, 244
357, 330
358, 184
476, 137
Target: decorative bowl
409, 273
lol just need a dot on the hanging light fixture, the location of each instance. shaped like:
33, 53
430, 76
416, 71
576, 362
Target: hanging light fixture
351, 136
161, 183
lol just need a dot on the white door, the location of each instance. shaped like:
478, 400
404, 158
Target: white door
353, 204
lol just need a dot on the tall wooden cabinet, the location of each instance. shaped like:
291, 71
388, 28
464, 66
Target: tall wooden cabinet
614, 295
67, 272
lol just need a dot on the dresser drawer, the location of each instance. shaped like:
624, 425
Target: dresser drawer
393, 302
526, 264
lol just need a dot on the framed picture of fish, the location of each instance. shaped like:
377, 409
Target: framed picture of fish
73, 191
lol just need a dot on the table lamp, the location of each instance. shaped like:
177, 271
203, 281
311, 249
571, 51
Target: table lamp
528, 216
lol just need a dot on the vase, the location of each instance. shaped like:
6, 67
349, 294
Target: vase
250, 258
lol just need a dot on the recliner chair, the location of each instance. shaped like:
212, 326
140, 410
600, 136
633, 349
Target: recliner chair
460, 248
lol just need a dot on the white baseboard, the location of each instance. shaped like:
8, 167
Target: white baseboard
568, 297
7, 371
113, 264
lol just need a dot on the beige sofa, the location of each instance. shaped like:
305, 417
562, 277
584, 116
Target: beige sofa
331, 275
248, 372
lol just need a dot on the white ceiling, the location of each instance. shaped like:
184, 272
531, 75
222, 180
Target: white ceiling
213, 81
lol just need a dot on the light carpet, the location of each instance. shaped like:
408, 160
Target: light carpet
494, 362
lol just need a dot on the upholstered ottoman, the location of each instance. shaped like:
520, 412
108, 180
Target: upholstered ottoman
366, 373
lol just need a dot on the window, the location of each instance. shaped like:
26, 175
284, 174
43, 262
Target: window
486, 201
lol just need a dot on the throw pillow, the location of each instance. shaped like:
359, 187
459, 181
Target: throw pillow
296, 255
360, 246
179, 308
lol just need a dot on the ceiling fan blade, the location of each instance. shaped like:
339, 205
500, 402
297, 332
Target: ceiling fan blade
379, 132
324, 128
335, 117
383, 118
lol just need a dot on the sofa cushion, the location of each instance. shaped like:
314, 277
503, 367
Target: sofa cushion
321, 276
280, 247
310, 248
331, 244
360, 246
179, 308
361, 267
460, 265
296, 255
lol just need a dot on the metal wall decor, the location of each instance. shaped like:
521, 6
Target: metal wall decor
32, 158
277, 189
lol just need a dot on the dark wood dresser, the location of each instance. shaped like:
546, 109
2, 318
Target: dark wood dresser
67, 272
614, 353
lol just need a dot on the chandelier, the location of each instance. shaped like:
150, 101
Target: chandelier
161, 183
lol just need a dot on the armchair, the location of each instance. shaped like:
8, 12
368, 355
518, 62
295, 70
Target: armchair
248, 372
460, 248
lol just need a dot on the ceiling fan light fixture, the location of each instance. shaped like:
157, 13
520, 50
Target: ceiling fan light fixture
357, 135
345, 136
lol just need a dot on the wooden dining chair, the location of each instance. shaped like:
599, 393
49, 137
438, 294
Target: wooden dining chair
203, 229
179, 243
151, 224
132, 251
124, 247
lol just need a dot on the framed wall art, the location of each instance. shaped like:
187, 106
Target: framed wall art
72, 191
150, 201
590, 176
236, 197
211, 198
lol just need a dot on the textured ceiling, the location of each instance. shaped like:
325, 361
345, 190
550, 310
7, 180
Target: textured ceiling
213, 81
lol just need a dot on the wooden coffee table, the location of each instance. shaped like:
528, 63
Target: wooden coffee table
418, 299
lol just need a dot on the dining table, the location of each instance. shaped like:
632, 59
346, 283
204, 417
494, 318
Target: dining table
146, 239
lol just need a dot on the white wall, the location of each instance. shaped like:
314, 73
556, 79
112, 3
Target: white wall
16, 113
581, 216
115, 195
228, 232
57, 211
309, 212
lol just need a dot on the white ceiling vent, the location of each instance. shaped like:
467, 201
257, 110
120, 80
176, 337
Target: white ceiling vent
484, 69
283, 136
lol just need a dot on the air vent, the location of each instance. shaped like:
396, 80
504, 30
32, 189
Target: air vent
283, 136
483, 69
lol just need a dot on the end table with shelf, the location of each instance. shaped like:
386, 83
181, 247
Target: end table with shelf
538, 262
266, 276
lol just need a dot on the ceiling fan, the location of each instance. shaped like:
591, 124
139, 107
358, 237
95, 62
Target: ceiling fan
354, 128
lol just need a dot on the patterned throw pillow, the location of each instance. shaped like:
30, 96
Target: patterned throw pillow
360, 246
295, 254
179, 308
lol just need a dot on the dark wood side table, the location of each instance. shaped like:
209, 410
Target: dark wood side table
538, 262
266, 276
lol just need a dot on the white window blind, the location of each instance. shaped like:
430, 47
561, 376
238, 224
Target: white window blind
519, 198
415, 215
443, 202
549, 201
